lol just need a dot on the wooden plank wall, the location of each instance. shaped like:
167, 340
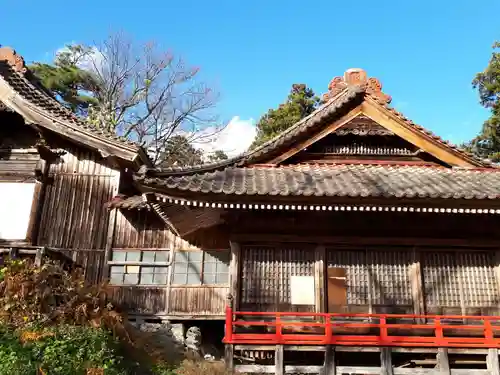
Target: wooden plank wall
74, 214
145, 230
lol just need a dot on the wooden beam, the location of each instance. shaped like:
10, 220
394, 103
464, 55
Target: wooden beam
234, 273
229, 358
279, 360
386, 361
417, 283
39, 256
443, 363
492, 362
330, 366
388, 120
315, 138
109, 243
358, 370
319, 279
409, 241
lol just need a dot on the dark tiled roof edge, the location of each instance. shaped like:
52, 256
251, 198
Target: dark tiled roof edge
340, 180
326, 110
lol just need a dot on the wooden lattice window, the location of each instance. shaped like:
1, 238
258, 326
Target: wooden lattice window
143, 267
267, 272
375, 279
201, 267
460, 282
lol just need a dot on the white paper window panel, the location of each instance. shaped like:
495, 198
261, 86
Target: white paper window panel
16, 200
302, 290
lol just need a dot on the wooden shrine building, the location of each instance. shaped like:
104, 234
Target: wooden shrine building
356, 242
352, 215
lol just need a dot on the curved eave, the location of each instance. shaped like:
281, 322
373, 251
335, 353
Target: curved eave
36, 115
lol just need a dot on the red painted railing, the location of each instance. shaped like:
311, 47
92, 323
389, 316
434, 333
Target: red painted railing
362, 329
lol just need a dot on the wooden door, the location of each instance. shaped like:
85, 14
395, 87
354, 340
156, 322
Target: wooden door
336, 289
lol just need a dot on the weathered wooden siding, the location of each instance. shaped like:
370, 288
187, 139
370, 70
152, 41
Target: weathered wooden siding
136, 229
139, 300
199, 300
145, 230
74, 214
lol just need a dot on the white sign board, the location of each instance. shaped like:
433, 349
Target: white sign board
302, 290
16, 200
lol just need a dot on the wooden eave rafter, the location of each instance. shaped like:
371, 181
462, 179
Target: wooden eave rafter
277, 203
183, 220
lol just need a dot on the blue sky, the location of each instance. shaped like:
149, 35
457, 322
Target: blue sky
424, 52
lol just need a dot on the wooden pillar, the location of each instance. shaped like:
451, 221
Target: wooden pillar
417, 287
279, 360
39, 256
386, 361
443, 363
229, 358
330, 367
109, 243
492, 362
319, 280
234, 274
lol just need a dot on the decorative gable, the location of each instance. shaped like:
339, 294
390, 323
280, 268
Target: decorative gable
366, 129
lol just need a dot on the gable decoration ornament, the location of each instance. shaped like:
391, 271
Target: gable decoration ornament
13, 59
356, 77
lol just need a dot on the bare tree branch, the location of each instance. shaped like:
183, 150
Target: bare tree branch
149, 96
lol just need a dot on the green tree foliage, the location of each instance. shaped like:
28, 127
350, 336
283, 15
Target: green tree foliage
218, 155
70, 84
300, 103
487, 143
179, 152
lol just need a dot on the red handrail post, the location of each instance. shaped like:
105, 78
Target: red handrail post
438, 329
278, 329
328, 329
383, 328
229, 325
488, 329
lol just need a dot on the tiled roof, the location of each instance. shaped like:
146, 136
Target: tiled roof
344, 96
41, 99
22, 81
342, 180
348, 97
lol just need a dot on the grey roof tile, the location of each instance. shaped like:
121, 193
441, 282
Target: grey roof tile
340, 180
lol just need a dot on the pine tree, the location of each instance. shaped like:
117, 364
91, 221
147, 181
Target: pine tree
300, 103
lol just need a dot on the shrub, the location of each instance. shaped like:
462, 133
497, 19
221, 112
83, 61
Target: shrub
60, 350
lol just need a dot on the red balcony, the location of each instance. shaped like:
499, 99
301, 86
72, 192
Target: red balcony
279, 328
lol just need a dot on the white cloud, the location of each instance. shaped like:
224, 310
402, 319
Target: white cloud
95, 59
234, 139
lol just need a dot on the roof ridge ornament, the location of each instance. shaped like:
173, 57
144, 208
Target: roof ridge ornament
356, 77
15, 60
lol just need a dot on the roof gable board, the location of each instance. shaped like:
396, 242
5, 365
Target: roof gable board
374, 105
